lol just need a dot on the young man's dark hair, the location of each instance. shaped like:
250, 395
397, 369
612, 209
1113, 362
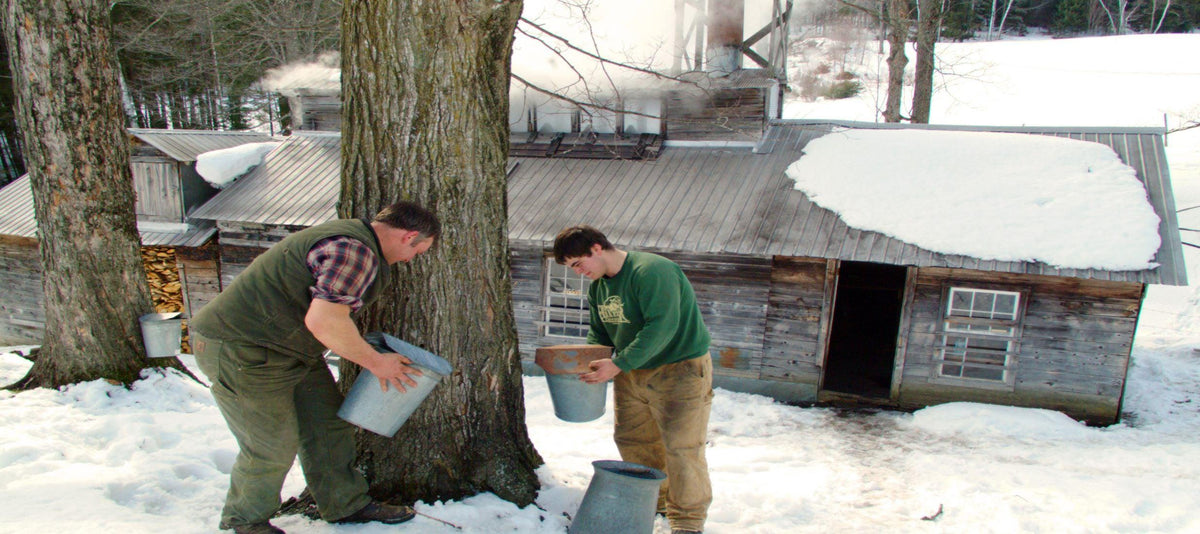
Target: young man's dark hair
577, 241
410, 216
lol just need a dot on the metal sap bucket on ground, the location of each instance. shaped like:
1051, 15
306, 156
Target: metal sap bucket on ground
621, 499
162, 334
384, 412
574, 400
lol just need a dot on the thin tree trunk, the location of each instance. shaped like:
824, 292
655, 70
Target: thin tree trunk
69, 110
929, 18
897, 23
425, 99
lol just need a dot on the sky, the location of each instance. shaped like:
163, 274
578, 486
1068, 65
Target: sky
95, 457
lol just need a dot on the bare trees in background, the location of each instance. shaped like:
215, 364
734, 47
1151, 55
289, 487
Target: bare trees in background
194, 63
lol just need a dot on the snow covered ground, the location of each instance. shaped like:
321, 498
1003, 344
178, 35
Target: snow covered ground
99, 458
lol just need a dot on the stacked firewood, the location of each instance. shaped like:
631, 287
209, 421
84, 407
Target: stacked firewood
162, 272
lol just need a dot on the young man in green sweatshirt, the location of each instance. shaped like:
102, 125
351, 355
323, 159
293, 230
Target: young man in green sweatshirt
643, 306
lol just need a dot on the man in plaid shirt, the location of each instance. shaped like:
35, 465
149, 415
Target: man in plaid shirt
261, 343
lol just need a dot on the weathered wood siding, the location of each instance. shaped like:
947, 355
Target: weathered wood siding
796, 320
1075, 343
22, 315
242, 242
528, 277
200, 275
719, 114
157, 186
733, 293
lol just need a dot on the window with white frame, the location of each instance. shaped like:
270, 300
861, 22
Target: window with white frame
979, 340
565, 310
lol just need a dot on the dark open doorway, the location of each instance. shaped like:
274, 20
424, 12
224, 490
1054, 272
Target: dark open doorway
866, 320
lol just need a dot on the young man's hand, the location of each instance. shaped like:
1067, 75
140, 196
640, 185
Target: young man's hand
602, 371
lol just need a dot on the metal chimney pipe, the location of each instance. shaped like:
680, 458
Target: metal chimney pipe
726, 19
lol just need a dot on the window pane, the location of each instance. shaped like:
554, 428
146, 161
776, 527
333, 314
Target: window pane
982, 307
987, 343
983, 373
952, 370
1006, 304
985, 358
960, 302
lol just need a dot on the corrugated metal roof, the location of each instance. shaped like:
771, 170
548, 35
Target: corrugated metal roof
726, 200
697, 199
296, 184
17, 218
185, 145
194, 236
16, 209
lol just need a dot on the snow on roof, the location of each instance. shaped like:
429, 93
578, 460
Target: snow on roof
221, 167
1000, 196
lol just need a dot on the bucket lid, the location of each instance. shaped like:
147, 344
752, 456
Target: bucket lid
418, 355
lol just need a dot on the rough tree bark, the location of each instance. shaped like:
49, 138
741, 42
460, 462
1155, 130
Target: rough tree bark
897, 17
69, 113
929, 20
425, 100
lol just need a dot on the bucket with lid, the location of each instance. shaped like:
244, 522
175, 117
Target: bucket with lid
384, 412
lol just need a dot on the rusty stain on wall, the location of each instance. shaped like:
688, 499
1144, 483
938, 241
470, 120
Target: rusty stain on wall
729, 357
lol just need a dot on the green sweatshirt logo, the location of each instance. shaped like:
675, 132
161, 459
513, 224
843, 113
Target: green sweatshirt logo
612, 310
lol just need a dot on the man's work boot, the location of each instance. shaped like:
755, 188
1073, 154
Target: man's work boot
382, 512
256, 528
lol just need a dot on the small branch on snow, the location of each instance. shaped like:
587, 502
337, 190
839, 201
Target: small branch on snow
935, 516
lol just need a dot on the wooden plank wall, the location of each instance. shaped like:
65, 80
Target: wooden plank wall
719, 114
1075, 343
792, 348
528, 278
242, 242
732, 292
200, 274
159, 193
22, 314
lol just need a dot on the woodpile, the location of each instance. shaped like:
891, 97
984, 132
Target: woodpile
162, 272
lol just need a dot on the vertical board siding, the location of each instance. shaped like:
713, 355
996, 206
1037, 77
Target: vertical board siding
733, 294
1076, 339
527, 278
200, 274
22, 314
797, 302
159, 191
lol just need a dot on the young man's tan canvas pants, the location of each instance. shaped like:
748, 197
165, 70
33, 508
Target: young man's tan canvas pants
661, 419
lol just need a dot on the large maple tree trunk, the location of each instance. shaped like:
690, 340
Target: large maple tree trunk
425, 100
69, 113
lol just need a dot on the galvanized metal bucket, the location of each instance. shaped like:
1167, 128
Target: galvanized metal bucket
621, 499
162, 334
384, 412
575, 401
